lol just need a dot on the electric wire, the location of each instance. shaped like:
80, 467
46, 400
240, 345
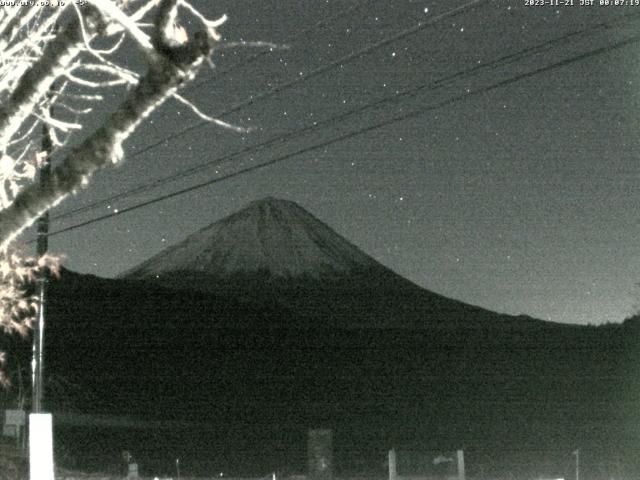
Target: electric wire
592, 53
258, 55
320, 70
506, 59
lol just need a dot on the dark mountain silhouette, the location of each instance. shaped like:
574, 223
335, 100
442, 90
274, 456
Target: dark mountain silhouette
268, 323
274, 250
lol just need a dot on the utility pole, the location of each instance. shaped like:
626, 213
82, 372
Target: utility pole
41, 424
577, 454
37, 361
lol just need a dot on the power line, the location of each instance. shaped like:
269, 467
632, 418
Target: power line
416, 113
420, 89
364, 130
321, 69
301, 34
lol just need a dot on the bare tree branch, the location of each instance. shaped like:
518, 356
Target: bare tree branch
169, 68
37, 80
42, 66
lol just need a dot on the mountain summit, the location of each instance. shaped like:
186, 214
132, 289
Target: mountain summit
276, 255
270, 236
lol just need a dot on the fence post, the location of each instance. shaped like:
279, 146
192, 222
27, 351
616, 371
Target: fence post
320, 454
41, 446
461, 474
393, 470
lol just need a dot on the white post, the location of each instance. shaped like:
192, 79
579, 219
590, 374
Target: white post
133, 471
40, 446
393, 472
461, 474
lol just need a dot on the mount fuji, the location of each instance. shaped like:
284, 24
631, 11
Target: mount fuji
274, 252
270, 236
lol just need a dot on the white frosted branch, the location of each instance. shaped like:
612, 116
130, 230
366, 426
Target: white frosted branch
74, 110
93, 83
129, 25
116, 46
16, 20
34, 84
256, 44
164, 24
17, 25
142, 11
170, 69
208, 118
7, 17
117, 71
26, 135
55, 123
11, 75
123, 73
22, 154
80, 96
43, 28
55, 140
210, 25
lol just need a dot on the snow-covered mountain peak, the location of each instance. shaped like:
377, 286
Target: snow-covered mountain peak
272, 236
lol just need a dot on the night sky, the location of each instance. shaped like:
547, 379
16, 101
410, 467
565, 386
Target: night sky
521, 198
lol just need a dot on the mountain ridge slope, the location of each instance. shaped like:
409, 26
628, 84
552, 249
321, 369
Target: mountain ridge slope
273, 250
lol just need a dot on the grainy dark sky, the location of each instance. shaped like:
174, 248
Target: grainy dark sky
520, 199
